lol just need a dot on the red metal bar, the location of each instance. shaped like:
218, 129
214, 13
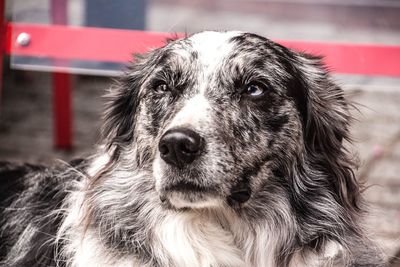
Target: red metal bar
62, 104
62, 111
365, 59
84, 43
118, 45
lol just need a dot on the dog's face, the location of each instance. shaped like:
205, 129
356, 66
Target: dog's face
218, 109
217, 112
217, 118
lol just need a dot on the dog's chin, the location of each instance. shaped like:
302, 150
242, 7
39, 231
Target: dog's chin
190, 200
178, 192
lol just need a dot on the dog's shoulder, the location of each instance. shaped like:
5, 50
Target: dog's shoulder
31, 198
35, 182
12, 176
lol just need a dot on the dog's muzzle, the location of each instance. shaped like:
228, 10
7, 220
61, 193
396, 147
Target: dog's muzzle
180, 147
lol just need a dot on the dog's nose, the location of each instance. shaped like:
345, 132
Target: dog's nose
180, 146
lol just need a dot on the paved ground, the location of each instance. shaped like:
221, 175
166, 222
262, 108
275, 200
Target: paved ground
377, 135
25, 110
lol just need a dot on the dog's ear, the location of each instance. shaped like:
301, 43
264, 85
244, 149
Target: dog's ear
328, 118
326, 128
122, 103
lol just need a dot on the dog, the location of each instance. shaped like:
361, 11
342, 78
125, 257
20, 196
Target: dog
218, 149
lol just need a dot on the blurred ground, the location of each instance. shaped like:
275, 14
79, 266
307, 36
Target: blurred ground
26, 111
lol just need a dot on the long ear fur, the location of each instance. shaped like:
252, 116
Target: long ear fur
327, 127
325, 193
122, 104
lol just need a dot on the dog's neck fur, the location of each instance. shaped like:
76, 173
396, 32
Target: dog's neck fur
183, 238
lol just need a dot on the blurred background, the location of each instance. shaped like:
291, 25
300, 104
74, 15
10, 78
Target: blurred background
26, 107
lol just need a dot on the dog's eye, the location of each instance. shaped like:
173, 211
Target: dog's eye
162, 88
253, 90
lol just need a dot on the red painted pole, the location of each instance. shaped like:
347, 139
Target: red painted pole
62, 99
62, 110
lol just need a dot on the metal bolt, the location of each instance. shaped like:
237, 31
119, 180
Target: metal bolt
23, 39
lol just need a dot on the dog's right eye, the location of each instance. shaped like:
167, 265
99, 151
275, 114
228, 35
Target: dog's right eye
161, 88
253, 90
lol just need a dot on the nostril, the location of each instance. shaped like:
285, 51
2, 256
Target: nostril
191, 145
163, 148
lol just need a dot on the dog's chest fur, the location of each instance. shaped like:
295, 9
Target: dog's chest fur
189, 240
183, 240
199, 240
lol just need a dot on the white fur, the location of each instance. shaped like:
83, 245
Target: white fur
157, 171
191, 239
98, 164
193, 112
206, 202
212, 48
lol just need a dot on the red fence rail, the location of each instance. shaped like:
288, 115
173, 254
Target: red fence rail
100, 44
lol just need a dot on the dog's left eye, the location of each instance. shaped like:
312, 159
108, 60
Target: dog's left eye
161, 88
253, 90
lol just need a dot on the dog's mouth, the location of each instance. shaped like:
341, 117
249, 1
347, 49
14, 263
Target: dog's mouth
184, 187
189, 195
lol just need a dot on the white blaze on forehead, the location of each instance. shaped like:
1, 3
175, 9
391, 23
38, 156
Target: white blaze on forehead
212, 48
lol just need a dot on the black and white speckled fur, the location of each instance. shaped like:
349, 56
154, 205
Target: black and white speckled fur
273, 187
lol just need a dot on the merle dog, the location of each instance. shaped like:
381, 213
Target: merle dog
220, 149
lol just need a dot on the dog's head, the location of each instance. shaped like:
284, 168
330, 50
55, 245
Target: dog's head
230, 118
